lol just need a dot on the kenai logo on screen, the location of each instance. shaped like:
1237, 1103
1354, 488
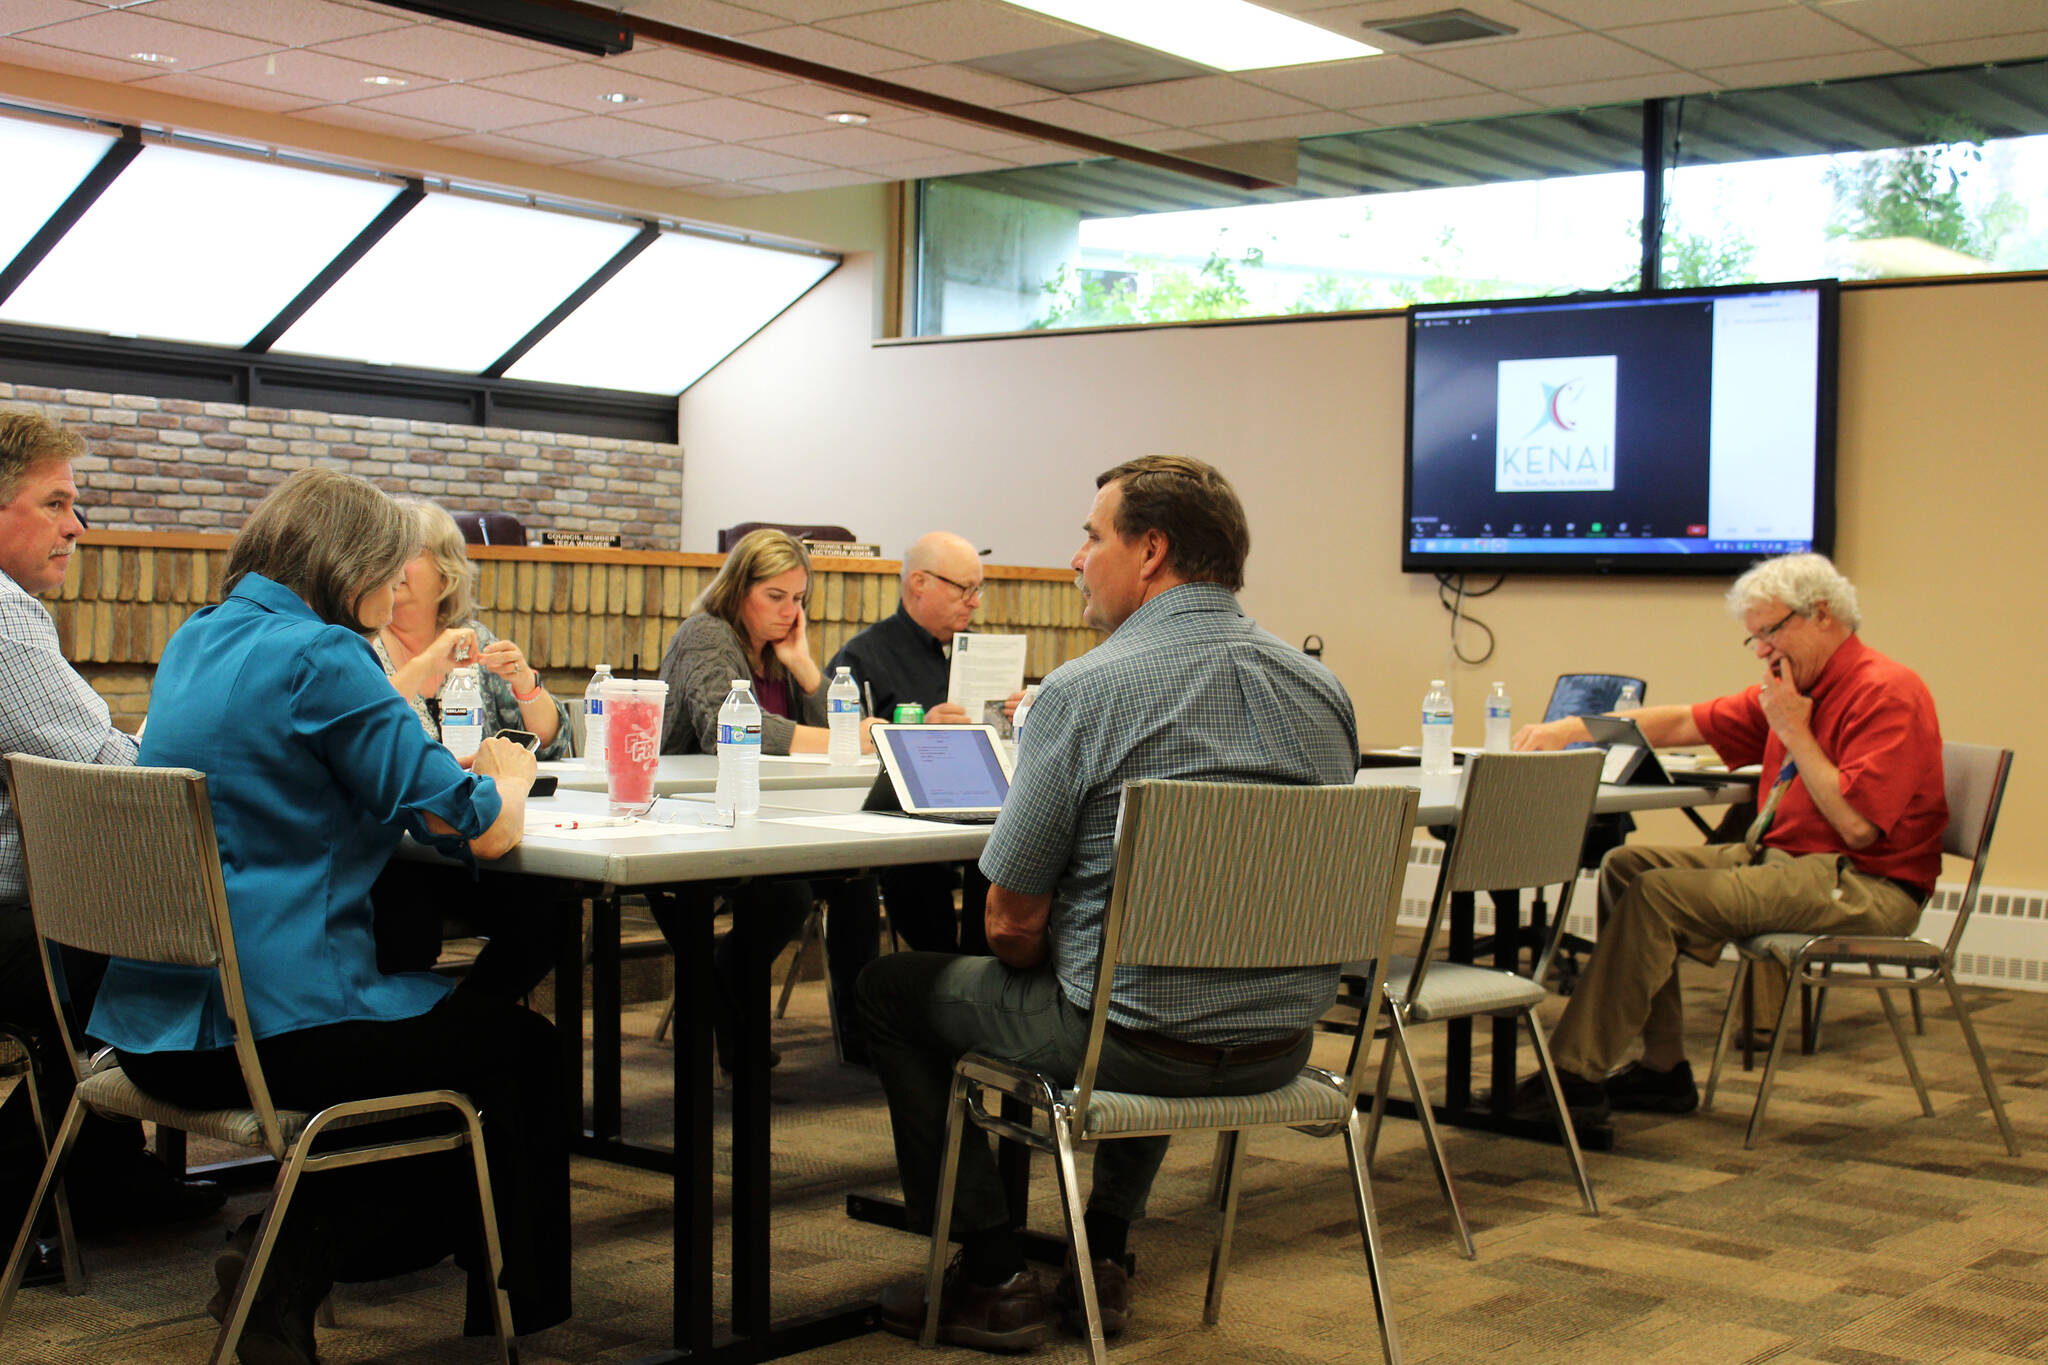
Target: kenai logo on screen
1555, 425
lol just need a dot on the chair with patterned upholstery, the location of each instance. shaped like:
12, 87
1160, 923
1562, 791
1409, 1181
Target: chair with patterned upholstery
1974, 779
1520, 826
1318, 871
122, 862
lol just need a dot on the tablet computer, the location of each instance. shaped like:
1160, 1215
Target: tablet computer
944, 772
1632, 762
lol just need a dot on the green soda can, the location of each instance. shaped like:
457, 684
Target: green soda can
909, 713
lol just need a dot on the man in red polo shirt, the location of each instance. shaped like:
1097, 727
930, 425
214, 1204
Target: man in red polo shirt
1848, 841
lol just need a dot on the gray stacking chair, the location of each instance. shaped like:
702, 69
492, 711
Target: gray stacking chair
122, 862
1318, 871
1521, 824
1975, 777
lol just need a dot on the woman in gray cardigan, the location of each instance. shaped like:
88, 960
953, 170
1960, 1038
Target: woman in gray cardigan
749, 623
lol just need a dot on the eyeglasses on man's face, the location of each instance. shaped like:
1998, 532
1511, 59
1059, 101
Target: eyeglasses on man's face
970, 591
1769, 634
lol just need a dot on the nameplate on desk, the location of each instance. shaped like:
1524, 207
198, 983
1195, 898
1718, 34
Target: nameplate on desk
843, 549
581, 540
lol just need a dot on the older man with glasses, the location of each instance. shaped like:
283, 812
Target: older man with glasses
905, 658
1848, 839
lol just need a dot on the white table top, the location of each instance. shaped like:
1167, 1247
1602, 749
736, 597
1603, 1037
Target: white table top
683, 774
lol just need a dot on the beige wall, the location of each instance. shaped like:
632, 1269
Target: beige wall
1942, 485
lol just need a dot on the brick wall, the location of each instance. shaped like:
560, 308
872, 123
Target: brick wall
161, 464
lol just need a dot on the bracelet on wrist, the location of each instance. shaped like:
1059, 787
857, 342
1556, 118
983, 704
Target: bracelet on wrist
538, 688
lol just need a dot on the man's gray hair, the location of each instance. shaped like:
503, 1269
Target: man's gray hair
28, 440
1801, 583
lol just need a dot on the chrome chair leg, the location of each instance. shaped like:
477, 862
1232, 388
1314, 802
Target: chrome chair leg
1727, 1026
1891, 1017
1955, 995
1564, 1113
1369, 1234
1784, 1025
494, 1253
53, 1174
1380, 1088
1426, 1111
1226, 1228
942, 1210
1077, 1236
813, 929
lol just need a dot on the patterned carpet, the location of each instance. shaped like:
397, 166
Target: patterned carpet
1857, 1233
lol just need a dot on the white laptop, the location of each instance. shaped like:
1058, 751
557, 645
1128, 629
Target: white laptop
941, 772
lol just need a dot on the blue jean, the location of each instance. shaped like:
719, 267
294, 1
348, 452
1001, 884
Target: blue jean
923, 1011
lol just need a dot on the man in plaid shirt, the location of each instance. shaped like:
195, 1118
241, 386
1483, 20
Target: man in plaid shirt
47, 709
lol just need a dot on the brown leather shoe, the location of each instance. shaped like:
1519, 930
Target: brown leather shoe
1112, 1296
1011, 1316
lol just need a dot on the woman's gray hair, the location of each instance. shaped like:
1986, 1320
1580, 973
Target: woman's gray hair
330, 537
441, 540
1800, 583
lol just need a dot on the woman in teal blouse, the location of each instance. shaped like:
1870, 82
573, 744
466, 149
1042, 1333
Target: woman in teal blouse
315, 768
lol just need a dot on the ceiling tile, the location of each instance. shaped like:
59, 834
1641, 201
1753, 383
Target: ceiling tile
2012, 47
464, 106
699, 73
1369, 80
577, 85
1623, 89
1918, 21
952, 134
957, 30
819, 100
1442, 111
19, 16
1353, 19
931, 167
511, 148
1731, 38
818, 180
230, 93
729, 162
1172, 139
43, 57
1544, 61
116, 33
728, 189
816, 45
1610, 13
1287, 125
597, 136
452, 53
711, 16
1083, 117
375, 121
1877, 61
298, 24
727, 120
1038, 154
959, 83
810, 11
844, 147
1201, 99
315, 75
638, 174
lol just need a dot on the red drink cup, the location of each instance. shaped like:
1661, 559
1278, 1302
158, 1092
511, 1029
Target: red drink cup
632, 743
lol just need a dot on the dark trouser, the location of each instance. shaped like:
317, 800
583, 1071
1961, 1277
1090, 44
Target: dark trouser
418, 903
393, 1217
920, 901
924, 1010
103, 1144
766, 915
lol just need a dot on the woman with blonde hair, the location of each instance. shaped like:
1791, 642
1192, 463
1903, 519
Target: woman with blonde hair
749, 623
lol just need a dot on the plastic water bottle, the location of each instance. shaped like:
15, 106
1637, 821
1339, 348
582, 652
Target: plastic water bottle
462, 712
1436, 729
739, 752
842, 713
1630, 698
1500, 720
593, 719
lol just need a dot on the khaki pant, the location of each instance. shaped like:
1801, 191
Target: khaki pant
1656, 903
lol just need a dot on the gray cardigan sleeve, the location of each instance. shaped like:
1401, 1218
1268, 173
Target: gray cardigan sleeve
699, 666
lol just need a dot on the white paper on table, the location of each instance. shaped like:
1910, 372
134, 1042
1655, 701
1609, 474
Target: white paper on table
986, 668
869, 760
596, 827
859, 823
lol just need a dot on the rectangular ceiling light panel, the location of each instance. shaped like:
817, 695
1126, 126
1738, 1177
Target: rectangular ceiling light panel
44, 165
196, 246
454, 284
1229, 35
679, 308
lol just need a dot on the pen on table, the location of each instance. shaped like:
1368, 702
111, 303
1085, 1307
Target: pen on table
869, 693
595, 822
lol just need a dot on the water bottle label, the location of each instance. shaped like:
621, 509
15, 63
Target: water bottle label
1497, 713
596, 706
738, 734
459, 718
844, 706
1436, 718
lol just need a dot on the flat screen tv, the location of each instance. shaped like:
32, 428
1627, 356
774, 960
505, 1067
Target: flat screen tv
1688, 431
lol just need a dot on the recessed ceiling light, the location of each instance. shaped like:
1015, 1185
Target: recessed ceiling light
847, 117
1230, 35
619, 97
153, 58
384, 80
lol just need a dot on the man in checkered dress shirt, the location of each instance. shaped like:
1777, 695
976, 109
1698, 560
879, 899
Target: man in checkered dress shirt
1185, 687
